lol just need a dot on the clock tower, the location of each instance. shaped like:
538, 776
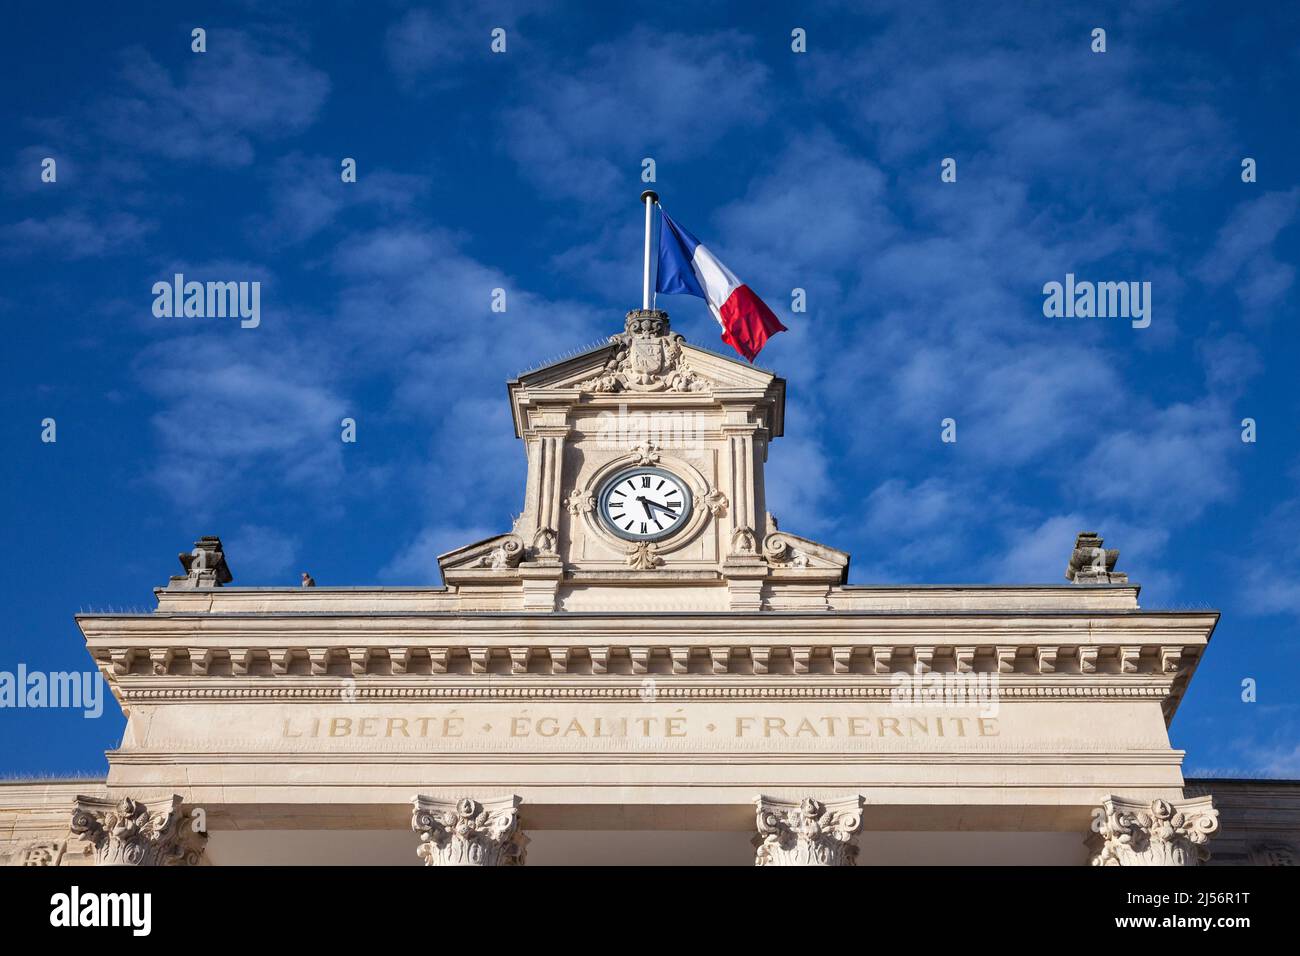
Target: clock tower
645, 486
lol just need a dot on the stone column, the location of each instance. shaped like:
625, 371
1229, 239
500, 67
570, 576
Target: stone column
468, 833
807, 832
129, 832
1152, 833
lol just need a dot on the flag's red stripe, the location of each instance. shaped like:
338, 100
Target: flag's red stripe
747, 322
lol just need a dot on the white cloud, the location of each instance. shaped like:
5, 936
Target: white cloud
585, 128
245, 88
262, 555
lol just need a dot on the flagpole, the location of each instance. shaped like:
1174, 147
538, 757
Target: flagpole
649, 197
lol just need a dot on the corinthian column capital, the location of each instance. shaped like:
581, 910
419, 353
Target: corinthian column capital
1152, 833
468, 833
129, 832
807, 832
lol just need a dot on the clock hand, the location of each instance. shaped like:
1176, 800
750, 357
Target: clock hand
646, 505
663, 508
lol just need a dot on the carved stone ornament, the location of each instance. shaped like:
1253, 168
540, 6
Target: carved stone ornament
648, 358
647, 453
544, 541
778, 551
42, 854
1159, 833
580, 502
468, 833
742, 541
205, 566
715, 501
644, 556
129, 832
1090, 563
807, 833
505, 555
1274, 854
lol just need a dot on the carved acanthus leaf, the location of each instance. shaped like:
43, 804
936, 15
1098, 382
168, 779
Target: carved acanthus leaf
1159, 833
644, 556
468, 833
807, 833
580, 502
647, 453
130, 832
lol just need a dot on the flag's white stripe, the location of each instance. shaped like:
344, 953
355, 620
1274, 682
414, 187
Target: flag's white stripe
716, 279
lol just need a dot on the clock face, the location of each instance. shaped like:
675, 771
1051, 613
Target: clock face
645, 504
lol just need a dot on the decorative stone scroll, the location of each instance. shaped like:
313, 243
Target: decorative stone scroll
507, 554
780, 552
1090, 563
130, 832
807, 833
468, 833
205, 566
1158, 833
648, 358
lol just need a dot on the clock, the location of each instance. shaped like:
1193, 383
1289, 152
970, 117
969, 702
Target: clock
644, 504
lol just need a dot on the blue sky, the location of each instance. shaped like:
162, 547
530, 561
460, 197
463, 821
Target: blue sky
522, 171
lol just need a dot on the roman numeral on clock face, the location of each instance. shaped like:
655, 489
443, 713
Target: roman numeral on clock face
645, 504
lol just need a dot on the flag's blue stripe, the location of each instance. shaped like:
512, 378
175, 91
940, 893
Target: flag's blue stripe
676, 249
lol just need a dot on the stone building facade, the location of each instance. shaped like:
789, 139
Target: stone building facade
645, 668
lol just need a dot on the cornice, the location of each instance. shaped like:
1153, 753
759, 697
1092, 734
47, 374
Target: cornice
143, 689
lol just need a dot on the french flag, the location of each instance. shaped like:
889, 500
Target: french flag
687, 267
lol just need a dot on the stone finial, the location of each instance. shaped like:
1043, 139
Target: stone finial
468, 833
205, 566
807, 832
129, 832
1155, 833
1090, 563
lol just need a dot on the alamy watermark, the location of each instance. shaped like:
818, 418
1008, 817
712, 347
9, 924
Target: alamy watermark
679, 430
934, 691
62, 689
209, 300
75, 908
1102, 300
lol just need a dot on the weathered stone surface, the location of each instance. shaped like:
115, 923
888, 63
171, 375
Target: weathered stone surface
465, 832
1129, 832
807, 832
129, 832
